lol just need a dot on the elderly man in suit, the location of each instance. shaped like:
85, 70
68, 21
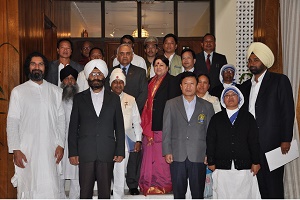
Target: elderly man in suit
269, 98
185, 123
136, 81
64, 50
96, 132
210, 62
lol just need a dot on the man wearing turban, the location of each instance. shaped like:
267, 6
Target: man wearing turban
269, 98
133, 131
68, 78
96, 132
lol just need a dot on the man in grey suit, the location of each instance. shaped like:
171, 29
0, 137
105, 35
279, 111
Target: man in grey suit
96, 132
64, 50
185, 123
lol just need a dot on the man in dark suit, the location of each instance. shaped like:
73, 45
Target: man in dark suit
185, 123
64, 50
269, 98
188, 59
136, 81
96, 133
208, 61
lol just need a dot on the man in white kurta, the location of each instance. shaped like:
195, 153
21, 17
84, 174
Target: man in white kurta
133, 130
68, 77
36, 132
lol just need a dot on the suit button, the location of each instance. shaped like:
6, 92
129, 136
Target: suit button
187, 137
232, 142
97, 135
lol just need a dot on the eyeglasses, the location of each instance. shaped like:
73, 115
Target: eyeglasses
94, 74
33, 64
230, 95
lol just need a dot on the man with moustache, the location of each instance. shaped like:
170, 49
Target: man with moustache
151, 49
36, 132
68, 77
96, 132
136, 81
64, 50
269, 98
95, 53
133, 131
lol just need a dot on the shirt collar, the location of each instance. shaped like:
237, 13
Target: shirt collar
259, 78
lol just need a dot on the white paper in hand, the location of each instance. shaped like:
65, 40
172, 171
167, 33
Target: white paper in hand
276, 159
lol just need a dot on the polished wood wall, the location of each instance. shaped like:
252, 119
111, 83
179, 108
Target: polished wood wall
267, 28
9, 77
22, 32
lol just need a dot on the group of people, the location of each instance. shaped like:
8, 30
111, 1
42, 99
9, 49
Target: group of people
155, 124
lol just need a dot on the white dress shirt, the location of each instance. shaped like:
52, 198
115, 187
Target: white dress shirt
254, 92
97, 99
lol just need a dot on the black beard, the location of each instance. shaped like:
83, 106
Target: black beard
36, 75
69, 91
96, 83
257, 70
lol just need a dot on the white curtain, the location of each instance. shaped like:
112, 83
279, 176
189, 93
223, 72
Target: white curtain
290, 31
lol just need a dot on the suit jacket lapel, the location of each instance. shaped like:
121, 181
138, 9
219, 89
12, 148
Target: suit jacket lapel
264, 85
130, 71
163, 84
181, 108
106, 100
197, 107
88, 99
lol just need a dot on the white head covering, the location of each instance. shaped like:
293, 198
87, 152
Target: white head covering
117, 73
263, 52
235, 90
98, 63
225, 67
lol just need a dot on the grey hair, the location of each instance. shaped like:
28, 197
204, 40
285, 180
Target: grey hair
121, 45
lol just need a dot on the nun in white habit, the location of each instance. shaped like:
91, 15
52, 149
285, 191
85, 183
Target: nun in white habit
233, 149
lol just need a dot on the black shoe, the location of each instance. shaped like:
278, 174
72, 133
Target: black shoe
134, 191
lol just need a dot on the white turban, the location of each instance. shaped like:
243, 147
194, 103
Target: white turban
236, 91
117, 73
263, 52
99, 64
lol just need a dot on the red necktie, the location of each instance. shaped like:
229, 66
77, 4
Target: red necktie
208, 62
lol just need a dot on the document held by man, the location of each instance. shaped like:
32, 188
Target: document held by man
276, 159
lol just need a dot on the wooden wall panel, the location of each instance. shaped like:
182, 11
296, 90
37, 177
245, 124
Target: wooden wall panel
21, 32
267, 29
9, 77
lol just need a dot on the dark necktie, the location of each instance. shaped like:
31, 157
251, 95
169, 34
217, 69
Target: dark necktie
208, 62
124, 70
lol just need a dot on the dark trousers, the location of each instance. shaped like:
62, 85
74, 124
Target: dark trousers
102, 172
195, 172
133, 169
270, 183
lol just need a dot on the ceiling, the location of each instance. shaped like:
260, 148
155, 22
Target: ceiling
157, 18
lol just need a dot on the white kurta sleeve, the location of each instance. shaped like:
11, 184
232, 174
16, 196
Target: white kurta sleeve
13, 123
61, 127
13, 136
136, 122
